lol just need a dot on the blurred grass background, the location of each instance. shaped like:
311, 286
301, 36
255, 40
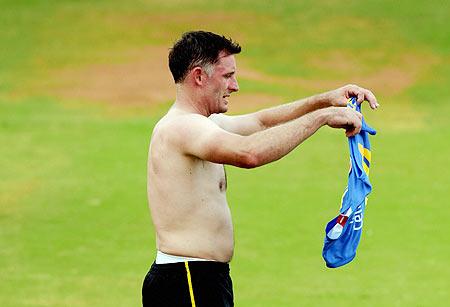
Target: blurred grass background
74, 224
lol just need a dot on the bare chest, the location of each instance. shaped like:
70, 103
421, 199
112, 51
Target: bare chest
212, 174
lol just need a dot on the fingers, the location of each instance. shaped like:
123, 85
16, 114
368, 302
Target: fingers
362, 94
360, 98
346, 118
372, 100
349, 132
360, 116
355, 124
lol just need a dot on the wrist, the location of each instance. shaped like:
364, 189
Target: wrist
323, 115
324, 100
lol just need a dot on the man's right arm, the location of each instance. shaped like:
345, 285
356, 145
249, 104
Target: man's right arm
200, 137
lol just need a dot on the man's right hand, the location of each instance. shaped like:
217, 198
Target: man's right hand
345, 118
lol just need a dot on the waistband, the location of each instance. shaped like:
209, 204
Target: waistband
163, 258
194, 266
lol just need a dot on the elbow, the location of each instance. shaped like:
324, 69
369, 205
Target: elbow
250, 160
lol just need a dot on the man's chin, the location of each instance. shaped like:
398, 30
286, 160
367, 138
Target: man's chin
223, 106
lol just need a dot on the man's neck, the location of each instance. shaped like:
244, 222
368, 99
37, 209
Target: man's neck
189, 102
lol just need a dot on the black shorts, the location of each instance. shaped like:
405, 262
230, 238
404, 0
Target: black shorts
191, 283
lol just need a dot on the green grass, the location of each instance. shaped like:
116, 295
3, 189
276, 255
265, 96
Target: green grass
74, 225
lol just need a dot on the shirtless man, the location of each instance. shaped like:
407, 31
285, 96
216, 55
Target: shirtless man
186, 177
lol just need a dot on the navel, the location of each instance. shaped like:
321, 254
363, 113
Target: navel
222, 185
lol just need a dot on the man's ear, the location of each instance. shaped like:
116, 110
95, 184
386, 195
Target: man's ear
197, 74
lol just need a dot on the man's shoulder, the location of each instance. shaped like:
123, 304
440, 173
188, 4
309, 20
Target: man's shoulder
180, 126
180, 122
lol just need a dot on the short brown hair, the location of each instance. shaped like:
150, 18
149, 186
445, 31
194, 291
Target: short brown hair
198, 48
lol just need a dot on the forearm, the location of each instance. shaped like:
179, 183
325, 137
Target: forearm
281, 114
276, 142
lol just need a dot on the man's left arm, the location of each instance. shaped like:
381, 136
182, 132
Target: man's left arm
248, 124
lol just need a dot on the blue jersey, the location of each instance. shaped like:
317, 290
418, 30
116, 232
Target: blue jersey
343, 233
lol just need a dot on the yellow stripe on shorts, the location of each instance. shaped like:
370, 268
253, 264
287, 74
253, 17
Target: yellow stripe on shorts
191, 291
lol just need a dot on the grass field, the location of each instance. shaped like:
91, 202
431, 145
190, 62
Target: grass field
81, 86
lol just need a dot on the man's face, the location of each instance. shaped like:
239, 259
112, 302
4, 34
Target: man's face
222, 83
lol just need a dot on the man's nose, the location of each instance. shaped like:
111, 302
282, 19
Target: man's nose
233, 86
